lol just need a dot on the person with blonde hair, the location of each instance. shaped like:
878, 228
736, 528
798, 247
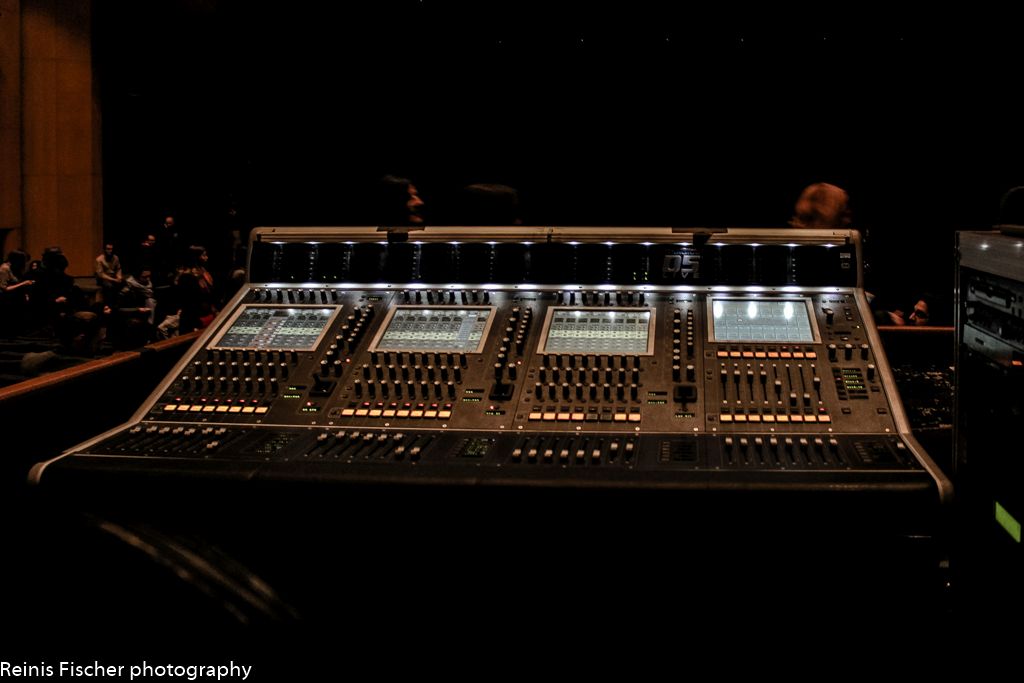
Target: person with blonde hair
822, 205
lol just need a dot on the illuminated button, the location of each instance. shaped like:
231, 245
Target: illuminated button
260, 410
209, 409
235, 409
376, 412
748, 354
195, 409
390, 412
416, 413
754, 417
723, 354
550, 416
798, 354
741, 417
726, 417
444, 414
362, 412
785, 354
578, 417
768, 418
535, 415
402, 413
760, 354
620, 417
810, 418
811, 354
169, 407
773, 354
796, 418
348, 412
248, 409
224, 409
824, 418
734, 354
782, 418
634, 417
432, 414
563, 417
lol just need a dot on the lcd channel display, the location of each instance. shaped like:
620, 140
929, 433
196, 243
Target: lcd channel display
271, 328
598, 331
758, 320
446, 329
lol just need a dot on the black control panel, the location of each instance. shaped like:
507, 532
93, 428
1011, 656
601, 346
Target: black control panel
523, 356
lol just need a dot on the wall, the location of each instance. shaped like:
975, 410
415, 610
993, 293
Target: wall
50, 157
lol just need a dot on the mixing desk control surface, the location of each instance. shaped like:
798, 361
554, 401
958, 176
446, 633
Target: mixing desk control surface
534, 357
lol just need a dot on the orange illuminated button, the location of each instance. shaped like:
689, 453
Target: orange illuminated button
741, 417
634, 417
550, 416
811, 354
798, 354
782, 418
723, 354
444, 414
376, 412
620, 417
754, 417
773, 354
734, 354
235, 409
248, 409
760, 354
795, 418
430, 413
824, 418
170, 406
535, 415
362, 412
402, 413
209, 409
390, 412
768, 418
563, 417
748, 354
260, 410
726, 417
224, 409
578, 417
348, 412
785, 354
416, 413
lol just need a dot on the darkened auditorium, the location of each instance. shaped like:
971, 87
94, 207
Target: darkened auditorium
444, 336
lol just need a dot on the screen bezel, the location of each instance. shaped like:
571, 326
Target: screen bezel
808, 306
382, 330
651, 328
215, 344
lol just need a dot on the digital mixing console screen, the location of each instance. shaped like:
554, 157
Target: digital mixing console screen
272, 328
447, 329
759, 320
598, 331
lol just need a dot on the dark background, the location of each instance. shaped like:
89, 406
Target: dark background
600, 114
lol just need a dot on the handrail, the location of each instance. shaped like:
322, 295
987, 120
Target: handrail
89, 367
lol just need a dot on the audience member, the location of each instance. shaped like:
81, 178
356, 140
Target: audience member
14, 293
822, 205
108, 274
397, 202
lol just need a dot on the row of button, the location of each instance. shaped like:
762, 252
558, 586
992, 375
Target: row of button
588, 415
769, 417
404, 410
812, 355
208, 408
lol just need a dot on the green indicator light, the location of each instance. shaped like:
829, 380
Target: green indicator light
1007, 521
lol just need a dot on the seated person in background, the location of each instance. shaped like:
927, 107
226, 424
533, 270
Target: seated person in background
397, 202
14, 293
822, 205
137, 294
108, 274
926, 310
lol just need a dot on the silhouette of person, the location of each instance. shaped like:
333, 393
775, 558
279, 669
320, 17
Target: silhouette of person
398, 202
822, 205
